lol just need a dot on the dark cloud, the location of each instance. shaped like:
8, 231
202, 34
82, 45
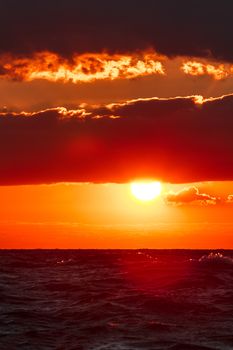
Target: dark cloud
191, 195
199, 28
174, 140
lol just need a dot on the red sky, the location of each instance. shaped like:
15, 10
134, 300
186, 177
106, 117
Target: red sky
86, 109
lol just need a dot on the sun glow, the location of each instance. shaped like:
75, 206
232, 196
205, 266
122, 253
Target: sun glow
146, 190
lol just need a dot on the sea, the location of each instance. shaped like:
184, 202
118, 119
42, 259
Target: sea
116, 299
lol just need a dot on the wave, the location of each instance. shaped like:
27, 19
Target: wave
216, 258
116, 300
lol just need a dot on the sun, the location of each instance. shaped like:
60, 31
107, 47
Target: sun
146, 190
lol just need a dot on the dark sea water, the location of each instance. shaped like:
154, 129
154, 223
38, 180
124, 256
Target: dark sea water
113, 299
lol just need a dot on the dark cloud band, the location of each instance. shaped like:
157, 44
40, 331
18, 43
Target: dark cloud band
196, 28
176, 140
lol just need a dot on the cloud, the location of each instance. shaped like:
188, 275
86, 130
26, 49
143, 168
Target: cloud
179, 140
230, 199
80, 68
91, 67
173, 28
190, 195
218, 72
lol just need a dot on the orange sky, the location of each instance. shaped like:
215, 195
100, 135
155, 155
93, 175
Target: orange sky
37, 94
87, 215
108, 216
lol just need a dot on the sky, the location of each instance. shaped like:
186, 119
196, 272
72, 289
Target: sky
95, 96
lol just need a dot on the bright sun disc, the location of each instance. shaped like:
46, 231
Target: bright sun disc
146, 190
